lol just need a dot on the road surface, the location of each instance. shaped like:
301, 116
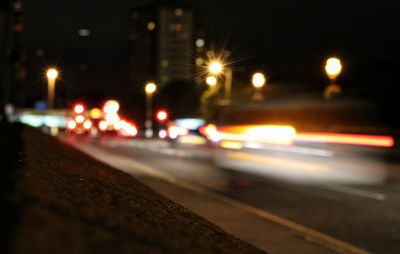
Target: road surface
366, 216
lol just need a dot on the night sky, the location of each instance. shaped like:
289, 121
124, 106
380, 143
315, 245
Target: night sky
287, 39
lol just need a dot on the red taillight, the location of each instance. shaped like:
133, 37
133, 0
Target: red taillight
128, 129
162, 115
79, 108
87, 124
71, 124
347, 139
79, 119
103, 125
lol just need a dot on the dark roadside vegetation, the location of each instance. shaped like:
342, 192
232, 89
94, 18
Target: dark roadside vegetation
55, 199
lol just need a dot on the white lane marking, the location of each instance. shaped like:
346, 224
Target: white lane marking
358, 192
130, 165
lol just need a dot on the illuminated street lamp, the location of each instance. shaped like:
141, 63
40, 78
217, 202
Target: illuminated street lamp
211, 81
51, 83
215, 68
258, 80
333, 68
150, 88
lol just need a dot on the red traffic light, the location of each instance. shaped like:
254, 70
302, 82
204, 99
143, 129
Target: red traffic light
162, 115
79, 108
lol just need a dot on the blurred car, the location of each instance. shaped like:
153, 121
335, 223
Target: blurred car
306, 141
185, 131
80, 124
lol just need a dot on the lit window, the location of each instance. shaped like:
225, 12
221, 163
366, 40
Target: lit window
151, 26
178, 27
178, 12
84, 32
164, 63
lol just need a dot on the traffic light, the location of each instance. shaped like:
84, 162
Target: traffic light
162, 115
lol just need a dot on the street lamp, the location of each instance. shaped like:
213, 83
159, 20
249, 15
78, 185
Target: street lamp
51, 83
216, 67
150, 88
211, 81
258, 80
333, 68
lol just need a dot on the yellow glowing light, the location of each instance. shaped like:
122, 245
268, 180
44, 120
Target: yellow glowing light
258, 80
273, 133
150, 88
333, 67
95, 113
211, 132
270, 134
199, 61
215, 67
111, 106
52, 73
151, 26
194, 140
211, 81
231, 144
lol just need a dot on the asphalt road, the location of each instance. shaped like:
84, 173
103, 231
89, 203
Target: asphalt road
367, 216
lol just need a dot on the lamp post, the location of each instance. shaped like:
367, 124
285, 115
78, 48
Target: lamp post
51, 83
258, 80
150, 88
211, 81
217, 68
333, 68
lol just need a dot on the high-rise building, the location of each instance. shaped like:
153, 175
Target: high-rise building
161, 44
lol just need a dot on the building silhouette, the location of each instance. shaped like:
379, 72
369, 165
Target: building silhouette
160, 44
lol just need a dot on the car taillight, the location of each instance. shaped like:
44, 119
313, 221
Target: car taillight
79, 119
87, 124
103, 125
71, 124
